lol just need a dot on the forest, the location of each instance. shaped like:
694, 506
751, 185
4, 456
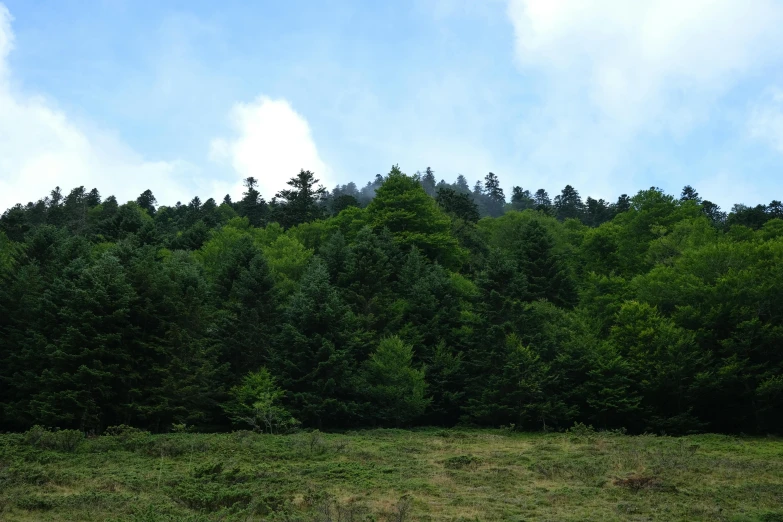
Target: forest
405, 302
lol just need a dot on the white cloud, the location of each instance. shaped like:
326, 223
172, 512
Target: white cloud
633, 52
617, 72
766, 120
40, 148
272, 143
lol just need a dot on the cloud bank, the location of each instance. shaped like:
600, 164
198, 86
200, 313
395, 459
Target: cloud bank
272, 143
616, 73
42, 148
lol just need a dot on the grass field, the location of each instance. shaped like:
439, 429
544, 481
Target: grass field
390, 475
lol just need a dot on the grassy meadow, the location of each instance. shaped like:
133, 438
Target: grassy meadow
389, 475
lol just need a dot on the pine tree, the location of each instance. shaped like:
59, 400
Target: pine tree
547, 275
314, 357
521, 199
252, 206
300, 203
248, 322
458, 204
396, 389
689, 194
147, 202
494, 194
568, 205
414, 219
428, 182
462, 185
542, 200
623, 204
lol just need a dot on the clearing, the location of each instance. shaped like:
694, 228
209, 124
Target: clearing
390, 475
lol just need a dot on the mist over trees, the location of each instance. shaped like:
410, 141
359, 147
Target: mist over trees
406, 301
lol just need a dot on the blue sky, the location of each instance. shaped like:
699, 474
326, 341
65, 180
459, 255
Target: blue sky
188, 98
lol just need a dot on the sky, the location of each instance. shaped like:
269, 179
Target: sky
187, 98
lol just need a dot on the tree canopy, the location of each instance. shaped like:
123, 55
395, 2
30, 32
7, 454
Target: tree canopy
405, 301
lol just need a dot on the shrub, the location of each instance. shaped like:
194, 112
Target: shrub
164, 446
207, 470
313, 443
34, 503
581, 433
60, 440
210, 496
325, 507
68, 440
129, 437
256, 402
461, 462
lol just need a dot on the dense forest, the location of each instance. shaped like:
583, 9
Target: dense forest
404, 302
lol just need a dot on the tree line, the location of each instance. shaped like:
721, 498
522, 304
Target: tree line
406, 302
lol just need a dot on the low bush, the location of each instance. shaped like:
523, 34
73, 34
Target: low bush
581, 433
462, 462
58, 440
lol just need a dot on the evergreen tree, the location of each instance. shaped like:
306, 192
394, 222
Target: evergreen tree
462, 185
542, 201
147, 202
395, 388
596, 212
414, 311
547, 275
252, 206
93, 198
494, 194
428, 182
300, 203
314, 356
248, 322
342, 202
414, 218
458, 204
689, 194
568, 205
521, 199
623, 204
713, 213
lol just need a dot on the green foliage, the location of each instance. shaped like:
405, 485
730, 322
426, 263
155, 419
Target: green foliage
299, 204
462, 462
287, 259
257, 403
439, 475
458, 204
389, 305
395, 387
414, 218
59, 440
